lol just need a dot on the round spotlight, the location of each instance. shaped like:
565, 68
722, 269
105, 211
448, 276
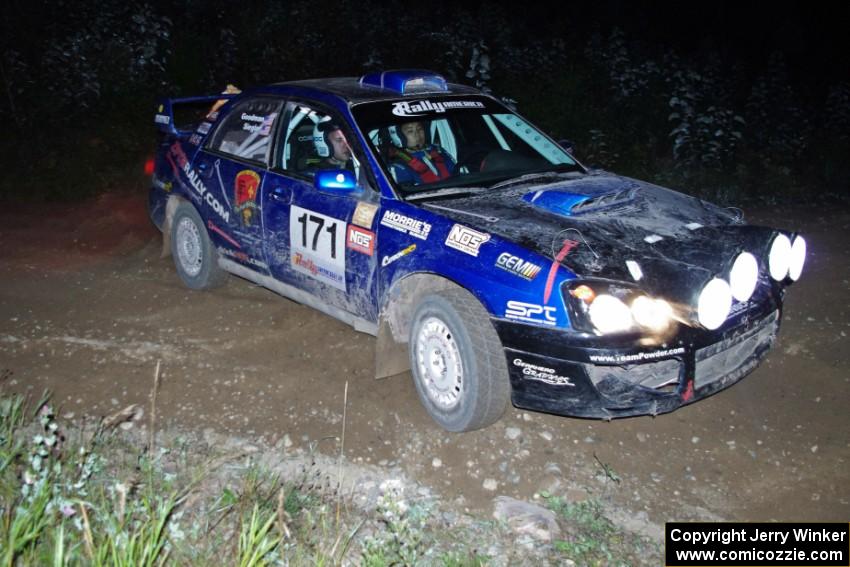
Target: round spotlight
779, 258
798, 258
743, 276
715, 300
655, 314
610, 315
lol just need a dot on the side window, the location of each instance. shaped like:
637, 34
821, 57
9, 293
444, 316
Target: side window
314, 138
245, 132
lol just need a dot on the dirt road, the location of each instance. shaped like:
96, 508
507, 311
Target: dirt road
87, 307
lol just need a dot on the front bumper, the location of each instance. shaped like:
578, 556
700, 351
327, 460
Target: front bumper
587, 376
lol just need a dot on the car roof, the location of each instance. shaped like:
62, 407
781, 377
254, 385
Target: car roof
352, 91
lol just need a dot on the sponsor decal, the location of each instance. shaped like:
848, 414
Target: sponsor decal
204, 127
164, 185
413, 227
212, 226
252, 117
162, 119
420, 107
530, 312
306, 265
637, 357
364, 214
195, 139
245, 196
400, 254
466, 240
177, 157
542, 373
553, 269
243, 257
212, 115
517, 266
317, 246
360, 240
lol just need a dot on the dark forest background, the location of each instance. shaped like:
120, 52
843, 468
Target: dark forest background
731, 102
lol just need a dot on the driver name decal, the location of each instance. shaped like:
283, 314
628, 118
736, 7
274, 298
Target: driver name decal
420, 107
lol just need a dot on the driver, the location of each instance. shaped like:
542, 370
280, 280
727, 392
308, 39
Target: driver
338, 149
418, 161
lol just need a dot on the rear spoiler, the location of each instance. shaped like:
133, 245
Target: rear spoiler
164, 117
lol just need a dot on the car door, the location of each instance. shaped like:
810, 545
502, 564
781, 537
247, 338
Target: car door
233, 164
320, 240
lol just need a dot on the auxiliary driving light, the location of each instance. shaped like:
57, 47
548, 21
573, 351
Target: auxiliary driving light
743, 276
779, 258
655, 314
610, 315
798, 258
715, 301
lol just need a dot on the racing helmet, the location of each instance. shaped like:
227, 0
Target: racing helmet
320, 136
426, 125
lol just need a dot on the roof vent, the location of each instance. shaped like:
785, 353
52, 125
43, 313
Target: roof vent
406, 81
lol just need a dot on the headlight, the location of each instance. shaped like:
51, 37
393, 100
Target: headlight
715, 301
798, 258
655, 314
610, 315
779, 258
603, 307
743, 276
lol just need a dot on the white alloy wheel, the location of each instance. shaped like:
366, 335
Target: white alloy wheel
195, 256
439, 363
189, 247
457, 361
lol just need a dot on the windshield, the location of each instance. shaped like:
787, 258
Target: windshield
434, 146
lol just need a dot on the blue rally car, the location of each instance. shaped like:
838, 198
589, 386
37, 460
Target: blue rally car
482, 255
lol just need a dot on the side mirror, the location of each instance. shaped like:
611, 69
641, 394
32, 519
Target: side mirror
336, 181
568, 146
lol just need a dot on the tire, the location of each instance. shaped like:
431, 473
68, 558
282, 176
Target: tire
194, 256
457, 362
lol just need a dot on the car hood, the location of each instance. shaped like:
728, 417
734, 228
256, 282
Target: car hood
615, 223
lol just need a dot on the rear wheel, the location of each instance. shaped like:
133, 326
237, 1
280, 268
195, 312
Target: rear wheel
457, 362
195, 257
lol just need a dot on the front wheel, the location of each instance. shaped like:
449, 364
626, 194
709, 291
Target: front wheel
457, 362
194, 256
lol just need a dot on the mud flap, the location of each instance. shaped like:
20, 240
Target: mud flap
170, 208
391, 357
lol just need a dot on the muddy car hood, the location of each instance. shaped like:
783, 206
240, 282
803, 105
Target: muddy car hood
678, 242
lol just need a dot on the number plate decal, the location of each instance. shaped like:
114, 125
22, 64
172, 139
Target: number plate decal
317, 246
